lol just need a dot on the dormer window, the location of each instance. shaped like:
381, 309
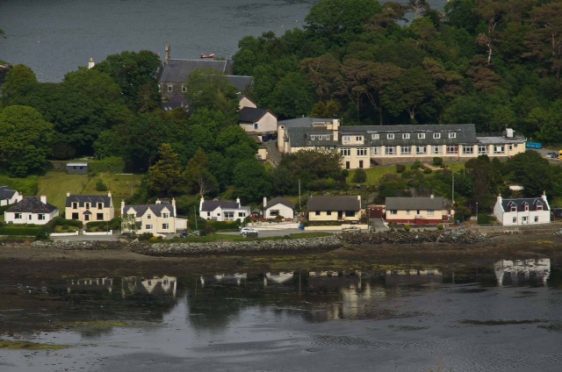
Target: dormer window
148, 216
526, 207
74, 205
390, 136
513, 208
452, 135
100, 205
87, 205
436, 135
421, 135
539, 207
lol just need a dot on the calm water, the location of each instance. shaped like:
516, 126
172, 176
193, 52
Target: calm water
507, 316
54, 37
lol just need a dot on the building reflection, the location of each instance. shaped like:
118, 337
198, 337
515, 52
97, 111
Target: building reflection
155, 286
514, 272
90, 284
413, 276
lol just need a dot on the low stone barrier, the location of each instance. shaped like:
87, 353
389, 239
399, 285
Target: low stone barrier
75, 233
227, 247
78, 245
461, 236
98, 233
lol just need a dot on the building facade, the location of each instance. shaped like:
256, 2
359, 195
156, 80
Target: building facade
9, 196
223, 210
522, 211
278, 208
418, 210
31, 210
157, 219
334, 208
257, 121
369, 145
88, 208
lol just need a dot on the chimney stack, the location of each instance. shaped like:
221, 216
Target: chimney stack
264, 202
238, 202
167, 53
91, 63
43, 199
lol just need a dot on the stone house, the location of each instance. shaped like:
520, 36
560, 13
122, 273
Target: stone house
88, 208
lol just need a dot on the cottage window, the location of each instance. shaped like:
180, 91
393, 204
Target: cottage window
513, 208
524, 219
86, 217
228, 215
393, 211
317, 213
350, 213
347, 165
514, 220
539, 207
256, 125
375, 150
360, 163
75, 216
361, 151
421, 135
165, 226
499, 149
345, 151
148, 227
536, 218
436, 135
74, 205
526, 207
452, 135
17, 216
510, 147
183, 88
148, 216
359, 138
329, 213
390, 150
482, 149
467, 149
87, 205
452, 149
375, 136
406, 136
241, 214
41, 217
436, 149
99, 216
390, 136
274, 212
420, 150
170, 88
406, 150
165, 215
131, 215
100, 205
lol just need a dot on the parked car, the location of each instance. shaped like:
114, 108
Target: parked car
552, 155
248, 231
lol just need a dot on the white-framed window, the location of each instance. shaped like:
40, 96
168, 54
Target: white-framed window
524, 219
452, 135
100, 205
87, 205
345, 151
406, 150
375, 150
406, 136
241, 214
346, 138
467, 149
514, 208
165, 226
361, 151
420, 150
514, 220
329, 213
170, 88
482, 149
41, 217
148, 227
183, 88
499, 149
165, 215
536, 218
526, 207
452, 149
421, 135
17, 216
375, 136
539, 207
228, 215
436, 149
436, 135
390, 136
393, 211
74, 205
359, 138
390, 150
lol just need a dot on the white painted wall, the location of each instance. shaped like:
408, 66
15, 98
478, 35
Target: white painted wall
284, 211
29, 218
17, 197
267, 124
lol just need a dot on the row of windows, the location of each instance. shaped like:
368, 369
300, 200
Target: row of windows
149, 216
87, 205
320, 137
329, 213
430, 212
19, 216
229, 214
170, 88
420, 150
406, 136
99, 217
165, 226
524, 219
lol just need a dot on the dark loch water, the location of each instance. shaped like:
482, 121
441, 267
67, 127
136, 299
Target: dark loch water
503, 317
54, 37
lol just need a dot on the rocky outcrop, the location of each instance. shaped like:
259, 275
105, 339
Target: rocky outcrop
235, 247
459, 236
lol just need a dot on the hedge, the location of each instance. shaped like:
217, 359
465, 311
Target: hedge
25, 230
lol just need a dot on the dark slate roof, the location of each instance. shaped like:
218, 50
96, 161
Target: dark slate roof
520, 204
414, 203
178, 70
279, 200
305, 122
92, 199
333, 203
211, 205
465, 134
251, 115
6, 193
241, 82
155, 208
32, 204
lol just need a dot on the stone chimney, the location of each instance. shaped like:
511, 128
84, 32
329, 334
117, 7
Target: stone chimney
281, 138
122, 207
43, 199
238, 202
158, 201
264, 202
91, 63
167, 53
174, 206
335, 127
67, 194
201, 204
543, 196
109, 194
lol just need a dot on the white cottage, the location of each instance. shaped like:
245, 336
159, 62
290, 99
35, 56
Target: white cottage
278, 207
31, 210
522, 211
257, 120
157, 219
223, 210
9, 196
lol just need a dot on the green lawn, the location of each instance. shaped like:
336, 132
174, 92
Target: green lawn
55, 185
234, 238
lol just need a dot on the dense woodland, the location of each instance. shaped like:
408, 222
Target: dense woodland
490, 62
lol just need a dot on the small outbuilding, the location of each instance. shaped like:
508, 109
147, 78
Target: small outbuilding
278, 208
77, 168
9, 196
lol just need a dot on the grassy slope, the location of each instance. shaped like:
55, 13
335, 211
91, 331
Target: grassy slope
56, 184
375, 174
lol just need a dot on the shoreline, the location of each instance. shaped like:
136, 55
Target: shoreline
25, 260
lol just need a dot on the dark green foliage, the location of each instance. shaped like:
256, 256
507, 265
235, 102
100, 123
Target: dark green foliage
100, 185
437, 161
359, 176
60, 221
111, 164
99, 226
400, 168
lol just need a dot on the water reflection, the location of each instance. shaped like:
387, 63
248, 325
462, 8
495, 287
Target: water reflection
515, 272
155, 286
90, 284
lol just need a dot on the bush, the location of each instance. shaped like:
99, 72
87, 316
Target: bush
218, 226
60, 221
484, 219
359, 176
437, 161
407, 227
110, 164
100, 185
400, 168
416, 165
25, 230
